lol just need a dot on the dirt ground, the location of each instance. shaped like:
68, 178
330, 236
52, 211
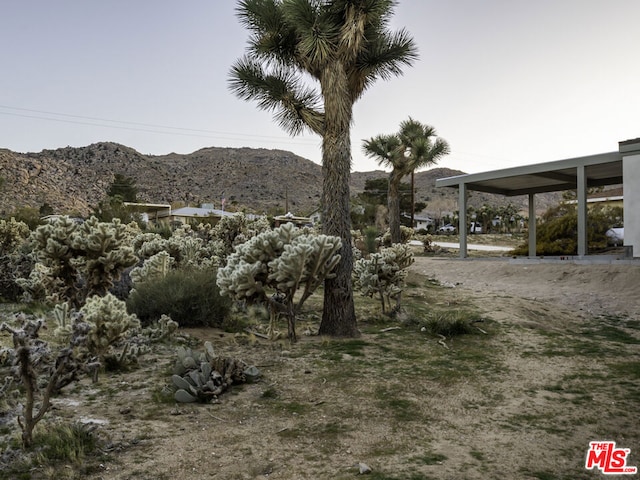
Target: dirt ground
522, 401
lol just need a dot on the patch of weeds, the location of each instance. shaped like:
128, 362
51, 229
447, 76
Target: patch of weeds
65, 444
477, 455
403, 410
294, 408
626, 370
544, 475
430, 458
335, 349
270, 392
451, 323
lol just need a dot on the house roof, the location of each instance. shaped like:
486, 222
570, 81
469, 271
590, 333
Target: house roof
601, 169
200, 212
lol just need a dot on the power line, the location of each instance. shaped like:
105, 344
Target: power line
180, 130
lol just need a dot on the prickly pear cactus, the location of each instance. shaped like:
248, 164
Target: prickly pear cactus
202, 376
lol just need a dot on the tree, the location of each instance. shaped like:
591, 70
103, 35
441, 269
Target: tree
343, 46
124, 187
413, 147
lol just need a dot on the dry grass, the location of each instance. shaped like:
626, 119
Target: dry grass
521, 400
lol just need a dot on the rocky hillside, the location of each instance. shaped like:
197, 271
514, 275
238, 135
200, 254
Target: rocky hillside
260, 180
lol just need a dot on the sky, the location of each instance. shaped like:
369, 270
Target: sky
504, 82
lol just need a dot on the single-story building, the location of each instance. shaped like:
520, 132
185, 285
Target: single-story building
613, 168
189, 214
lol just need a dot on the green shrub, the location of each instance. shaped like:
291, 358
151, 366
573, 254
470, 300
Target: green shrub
190, 297
557, 230
450, 324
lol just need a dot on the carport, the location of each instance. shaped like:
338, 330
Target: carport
620, 167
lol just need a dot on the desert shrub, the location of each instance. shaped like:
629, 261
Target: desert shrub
557, 231
383, 274
449, 324
190, 297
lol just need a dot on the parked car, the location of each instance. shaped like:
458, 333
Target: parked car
615, 236
447, 229
475, 227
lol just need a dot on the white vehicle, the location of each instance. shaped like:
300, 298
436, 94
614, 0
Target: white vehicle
448, 229
615, 236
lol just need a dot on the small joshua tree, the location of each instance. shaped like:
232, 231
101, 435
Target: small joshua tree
383, 274
274, 266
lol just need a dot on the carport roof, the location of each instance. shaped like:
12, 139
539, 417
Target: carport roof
601, 169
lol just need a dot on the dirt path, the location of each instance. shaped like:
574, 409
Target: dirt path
589, 289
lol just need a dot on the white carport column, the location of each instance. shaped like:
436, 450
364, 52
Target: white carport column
630, 151
582, 210
462, 218
532, 225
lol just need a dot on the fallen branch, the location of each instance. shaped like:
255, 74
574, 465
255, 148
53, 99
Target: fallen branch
389, 329
261, 335
481, 330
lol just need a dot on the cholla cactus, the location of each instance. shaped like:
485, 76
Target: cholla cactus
80, 259
40, 371
12, 234
236, 229
275, 265
155, 267
64, 323
109, 322
383, 274
405, 232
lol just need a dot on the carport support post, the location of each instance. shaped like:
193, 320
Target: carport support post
532, 225
582, 210
462, 218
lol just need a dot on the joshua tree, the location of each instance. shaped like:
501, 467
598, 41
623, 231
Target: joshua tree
344, 46
413, 147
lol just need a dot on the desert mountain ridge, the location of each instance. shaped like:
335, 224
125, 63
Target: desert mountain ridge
75, 179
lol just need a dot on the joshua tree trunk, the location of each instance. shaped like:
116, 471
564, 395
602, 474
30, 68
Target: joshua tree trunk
393, 203
338, 316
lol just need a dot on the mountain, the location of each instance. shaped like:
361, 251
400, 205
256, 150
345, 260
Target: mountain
74, 180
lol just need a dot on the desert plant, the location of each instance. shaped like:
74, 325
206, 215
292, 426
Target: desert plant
383, 274
190, 297
109, 322
202, 376
12, 235
40, 371
271, 268
78, 260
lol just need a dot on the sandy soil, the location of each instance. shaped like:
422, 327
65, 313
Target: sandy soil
587, 289
528, 415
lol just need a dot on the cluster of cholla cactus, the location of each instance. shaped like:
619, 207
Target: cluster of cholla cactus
76, 260
382, 274
14, 259
274, 266
202, 376
12, 234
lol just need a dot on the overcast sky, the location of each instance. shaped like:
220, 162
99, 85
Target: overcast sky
505, 82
